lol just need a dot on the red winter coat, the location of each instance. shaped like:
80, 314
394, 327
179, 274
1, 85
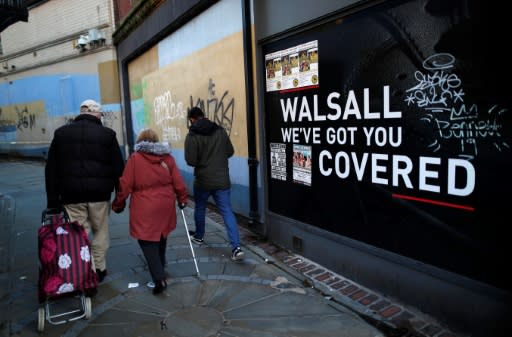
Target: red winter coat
153, 189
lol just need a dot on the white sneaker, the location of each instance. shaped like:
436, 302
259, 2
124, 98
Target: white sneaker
150, 284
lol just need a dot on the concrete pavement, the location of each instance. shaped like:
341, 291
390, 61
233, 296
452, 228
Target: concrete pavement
270, 293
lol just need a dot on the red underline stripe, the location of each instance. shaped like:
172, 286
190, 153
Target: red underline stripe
299, 89
435, 202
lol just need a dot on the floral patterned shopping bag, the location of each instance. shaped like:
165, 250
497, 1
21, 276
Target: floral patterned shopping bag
65, 258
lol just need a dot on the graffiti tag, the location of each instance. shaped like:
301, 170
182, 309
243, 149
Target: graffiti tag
218, 109
25, 119
441, 95
166, 111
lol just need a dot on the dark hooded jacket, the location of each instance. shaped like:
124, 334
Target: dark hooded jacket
207, 149
84, 163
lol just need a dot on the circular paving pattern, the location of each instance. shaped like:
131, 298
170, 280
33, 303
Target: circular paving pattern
207, 308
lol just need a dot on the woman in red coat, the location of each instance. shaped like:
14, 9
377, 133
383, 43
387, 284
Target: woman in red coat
154, 184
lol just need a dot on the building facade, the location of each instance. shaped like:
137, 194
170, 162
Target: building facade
378, 137
372, 137
49, 65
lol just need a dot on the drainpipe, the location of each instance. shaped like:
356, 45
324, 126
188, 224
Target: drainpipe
128, 123
251, 124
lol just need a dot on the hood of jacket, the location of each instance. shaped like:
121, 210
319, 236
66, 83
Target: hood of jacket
155, 150
87, 117
203, 126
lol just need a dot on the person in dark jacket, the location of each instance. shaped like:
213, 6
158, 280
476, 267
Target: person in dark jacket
153, 181
83, 168
207, 149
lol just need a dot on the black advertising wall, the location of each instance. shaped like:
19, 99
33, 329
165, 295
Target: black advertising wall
392, 126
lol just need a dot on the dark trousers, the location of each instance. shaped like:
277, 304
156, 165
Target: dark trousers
154, 252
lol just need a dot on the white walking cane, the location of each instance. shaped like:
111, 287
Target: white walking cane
189, 242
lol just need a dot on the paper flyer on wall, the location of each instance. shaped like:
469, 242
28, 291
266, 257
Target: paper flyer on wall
308, 64
278, 161
290, 68
273, 71
302, 164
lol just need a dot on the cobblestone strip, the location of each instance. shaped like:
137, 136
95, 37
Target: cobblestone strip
366, 301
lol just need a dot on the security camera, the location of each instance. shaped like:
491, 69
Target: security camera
82, 42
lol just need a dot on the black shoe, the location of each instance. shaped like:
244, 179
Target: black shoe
101, 274
160, 286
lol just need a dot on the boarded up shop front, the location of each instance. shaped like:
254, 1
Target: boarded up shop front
392, 128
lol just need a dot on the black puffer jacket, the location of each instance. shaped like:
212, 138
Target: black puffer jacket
207, 149
84, 163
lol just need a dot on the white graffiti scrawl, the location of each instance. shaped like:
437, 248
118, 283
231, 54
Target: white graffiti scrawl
440, 94
166, 112
220, 110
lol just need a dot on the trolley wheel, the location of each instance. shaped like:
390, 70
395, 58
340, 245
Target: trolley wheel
40, 319
88, 307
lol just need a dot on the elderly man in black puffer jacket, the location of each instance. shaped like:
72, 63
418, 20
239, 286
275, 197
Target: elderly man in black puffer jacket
83, 168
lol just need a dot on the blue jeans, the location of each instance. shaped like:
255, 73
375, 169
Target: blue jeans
222, 199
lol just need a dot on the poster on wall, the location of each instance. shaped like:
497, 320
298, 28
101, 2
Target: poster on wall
273, 71
292, 68
278, 161
308, 64
302, 164
408, 136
